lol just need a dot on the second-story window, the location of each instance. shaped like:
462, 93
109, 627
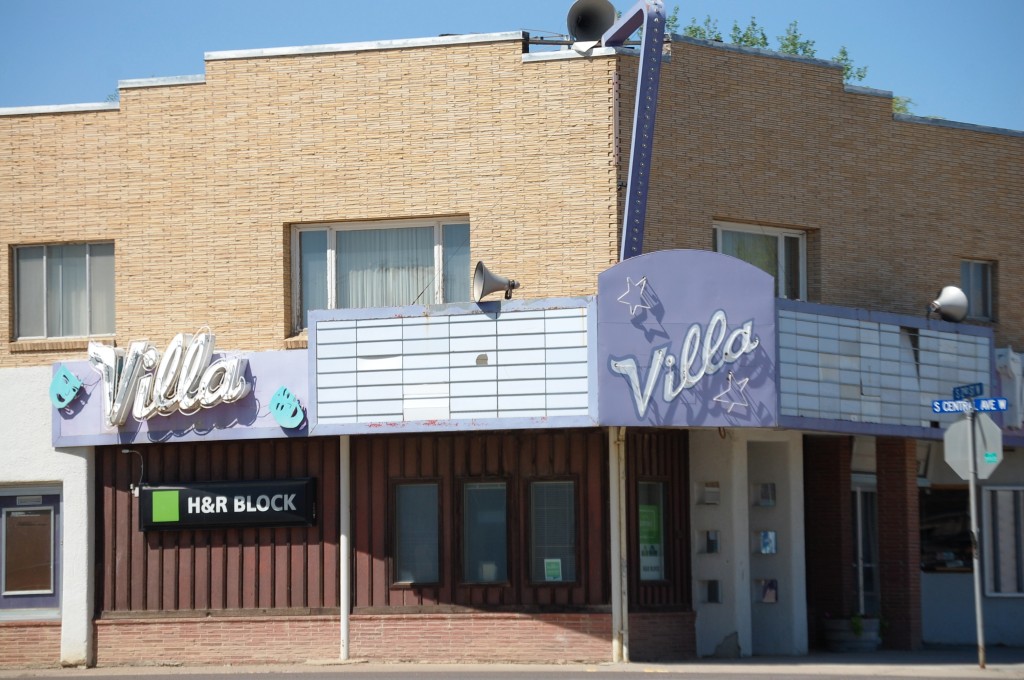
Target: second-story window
379, 264
780, 252
64, 290
976, 282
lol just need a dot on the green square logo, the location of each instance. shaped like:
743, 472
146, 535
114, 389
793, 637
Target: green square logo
165, 506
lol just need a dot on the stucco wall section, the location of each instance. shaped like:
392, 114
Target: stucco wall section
27, 458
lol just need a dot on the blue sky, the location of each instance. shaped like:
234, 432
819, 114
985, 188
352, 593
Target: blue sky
954, 58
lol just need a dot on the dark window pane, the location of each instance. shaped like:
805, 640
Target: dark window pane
552, 531
416, 544
484, 533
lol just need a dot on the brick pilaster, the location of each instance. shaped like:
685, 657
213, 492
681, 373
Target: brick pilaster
828, 530
899, 542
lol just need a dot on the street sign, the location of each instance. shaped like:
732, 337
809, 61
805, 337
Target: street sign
993, 404
951, 406
968, 391
988, 446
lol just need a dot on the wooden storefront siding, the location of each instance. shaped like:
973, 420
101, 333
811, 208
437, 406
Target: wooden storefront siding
660, 456
216, 569
518, 458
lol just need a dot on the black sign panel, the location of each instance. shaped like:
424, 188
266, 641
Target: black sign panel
211, 505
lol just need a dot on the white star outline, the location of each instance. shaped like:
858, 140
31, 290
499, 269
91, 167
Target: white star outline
740, 386
630, 286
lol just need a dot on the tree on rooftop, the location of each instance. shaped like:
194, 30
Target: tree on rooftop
791, 42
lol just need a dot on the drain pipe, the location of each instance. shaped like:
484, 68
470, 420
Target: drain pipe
344, 556
619, 544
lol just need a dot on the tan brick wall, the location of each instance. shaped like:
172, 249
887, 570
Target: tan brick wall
892, 206
30, 644
431, 638
197, 184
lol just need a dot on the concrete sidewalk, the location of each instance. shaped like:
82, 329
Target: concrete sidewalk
1002, 662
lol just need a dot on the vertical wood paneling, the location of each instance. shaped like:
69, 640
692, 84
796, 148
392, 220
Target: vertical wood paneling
518, 458
660, 457
218, 568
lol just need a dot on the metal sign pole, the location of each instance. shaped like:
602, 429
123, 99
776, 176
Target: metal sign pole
975, 542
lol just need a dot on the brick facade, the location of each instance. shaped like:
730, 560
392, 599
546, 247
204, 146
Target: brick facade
437, 638
899, 542
828, 531
662, 636
198, 184
29, 644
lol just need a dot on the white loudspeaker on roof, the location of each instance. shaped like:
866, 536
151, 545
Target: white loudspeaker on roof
486, 282
951, 304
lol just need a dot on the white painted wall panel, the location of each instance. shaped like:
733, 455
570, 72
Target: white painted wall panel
523, 364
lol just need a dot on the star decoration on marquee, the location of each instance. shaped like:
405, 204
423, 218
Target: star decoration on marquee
738, 388
634, 295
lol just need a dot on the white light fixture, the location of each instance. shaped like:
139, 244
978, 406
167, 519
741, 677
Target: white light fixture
951, 304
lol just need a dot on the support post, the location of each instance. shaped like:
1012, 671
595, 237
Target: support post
619, 544
344, 532
972, 463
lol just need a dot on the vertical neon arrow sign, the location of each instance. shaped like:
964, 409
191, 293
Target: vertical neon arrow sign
650, 13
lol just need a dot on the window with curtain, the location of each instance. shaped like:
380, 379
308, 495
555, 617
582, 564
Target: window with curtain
484, 535
1004, 549
552, 531
380, 265
976, 282
64, 290
416, 534
779, 252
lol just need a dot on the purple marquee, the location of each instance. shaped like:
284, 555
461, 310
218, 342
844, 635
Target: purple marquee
686, 338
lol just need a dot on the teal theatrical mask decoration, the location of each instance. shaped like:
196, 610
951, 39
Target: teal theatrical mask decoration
64, 387
286, 409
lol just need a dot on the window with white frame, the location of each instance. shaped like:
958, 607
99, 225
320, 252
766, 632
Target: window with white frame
379, 264
64, 290
1004, 549
780, 252
976, 282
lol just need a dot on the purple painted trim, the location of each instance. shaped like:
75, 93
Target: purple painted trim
490, 308
652, 14
881, 317
803, 424
492, 424
81, 423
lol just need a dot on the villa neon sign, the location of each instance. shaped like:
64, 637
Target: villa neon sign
184, 379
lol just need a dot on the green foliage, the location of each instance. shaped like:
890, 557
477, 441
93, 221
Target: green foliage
751, 36
705, 31
850, 73
672, 21
794, 43
902, 104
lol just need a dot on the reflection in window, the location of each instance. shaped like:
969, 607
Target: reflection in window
1004, 550
976, 282
552, 531
779, 252
28, 551
945, 530
380, 265
485, 541
64, 290
651, 532
416, 534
